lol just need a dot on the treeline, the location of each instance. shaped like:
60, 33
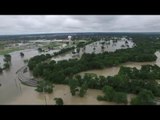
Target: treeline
78, 46
144, 97
7, 60
37, 60
82, 44
57, 72
111, 95
128, 80
64, 50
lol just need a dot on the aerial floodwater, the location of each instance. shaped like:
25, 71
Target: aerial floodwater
11, 87
13, 92
79, 60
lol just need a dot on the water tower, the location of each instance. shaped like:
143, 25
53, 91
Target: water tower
70, 41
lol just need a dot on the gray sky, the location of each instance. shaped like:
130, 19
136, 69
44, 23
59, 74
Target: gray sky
30, 24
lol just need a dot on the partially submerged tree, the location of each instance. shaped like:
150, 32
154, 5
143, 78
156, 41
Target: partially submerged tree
73, 84
44, 86
7, 58
21, 54
145, 97
1, 70
83, 89
40, 50
6, 65
59, 101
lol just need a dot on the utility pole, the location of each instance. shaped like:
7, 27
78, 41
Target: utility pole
44, 96
20, 88
16, 82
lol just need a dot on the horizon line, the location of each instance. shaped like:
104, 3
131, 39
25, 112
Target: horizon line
69, 33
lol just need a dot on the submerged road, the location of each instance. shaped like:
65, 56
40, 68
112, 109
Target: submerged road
24, 80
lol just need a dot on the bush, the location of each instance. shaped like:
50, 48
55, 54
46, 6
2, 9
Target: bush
59, 101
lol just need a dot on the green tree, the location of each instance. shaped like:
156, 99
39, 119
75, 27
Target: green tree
44, 86
73, 84
6, 65
83, 89
108, 93
40, 50
1, 70
145, 97
59, 101
7, 58
120, 97
21, 54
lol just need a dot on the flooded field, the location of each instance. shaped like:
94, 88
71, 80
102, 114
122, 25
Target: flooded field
66, 56
107, 46
13, 92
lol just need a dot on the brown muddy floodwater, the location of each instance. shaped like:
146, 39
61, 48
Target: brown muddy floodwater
11, 87
31, 97
28, 95
12, 92
114, 70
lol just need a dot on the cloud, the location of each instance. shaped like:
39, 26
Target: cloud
30, 24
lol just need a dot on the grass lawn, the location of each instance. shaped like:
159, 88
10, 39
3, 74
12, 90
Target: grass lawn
53, 45
6, 51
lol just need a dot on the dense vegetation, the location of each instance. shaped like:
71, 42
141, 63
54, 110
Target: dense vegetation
145, 97
82, 44
37, 60
57, 72
76, 86
7, 60
44, 86
64, 50
128, 80
111, 95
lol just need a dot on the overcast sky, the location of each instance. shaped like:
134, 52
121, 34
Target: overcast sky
31, 24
